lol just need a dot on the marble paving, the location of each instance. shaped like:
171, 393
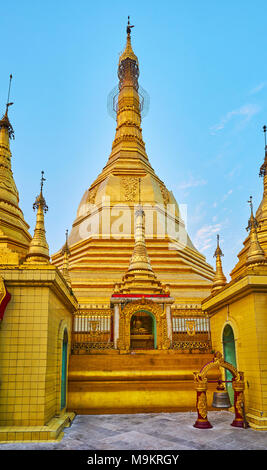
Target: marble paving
151, 431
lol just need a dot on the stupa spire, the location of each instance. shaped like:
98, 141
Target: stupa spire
255, 252
128, 52
219, 280
6, 129
65, 266
140, 260
39, 250
128, 131
14, 233
140, 277
7, 184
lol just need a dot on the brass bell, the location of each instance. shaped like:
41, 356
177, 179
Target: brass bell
221, 398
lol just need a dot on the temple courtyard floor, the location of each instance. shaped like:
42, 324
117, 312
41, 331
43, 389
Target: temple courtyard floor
151, 431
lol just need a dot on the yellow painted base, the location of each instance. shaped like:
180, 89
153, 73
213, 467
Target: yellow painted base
52, 432
256, 422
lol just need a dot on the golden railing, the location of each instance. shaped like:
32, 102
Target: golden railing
92, 330
191, 332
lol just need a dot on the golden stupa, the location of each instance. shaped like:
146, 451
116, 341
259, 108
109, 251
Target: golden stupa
131, 262
102, 236
127, 314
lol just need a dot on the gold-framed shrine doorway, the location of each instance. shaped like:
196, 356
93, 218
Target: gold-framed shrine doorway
154, 316
143, 330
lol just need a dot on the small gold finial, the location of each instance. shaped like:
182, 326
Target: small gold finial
129, 27
40, 200
218, 251
8, 95
4, 122
65, 266
39, 249
128, 52
264, 165
42, 180
255, 252
219, 280
252, 222
65, 248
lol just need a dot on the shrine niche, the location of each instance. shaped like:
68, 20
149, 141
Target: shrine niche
142, 331
143, 325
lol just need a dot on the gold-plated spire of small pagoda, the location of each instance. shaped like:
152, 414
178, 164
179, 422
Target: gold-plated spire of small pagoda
219, 280
261, 214
65, 267
255, 252
14, 235
39, 250
140, 277
128, 52
128, 135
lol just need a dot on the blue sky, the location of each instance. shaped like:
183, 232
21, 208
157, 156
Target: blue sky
204, 67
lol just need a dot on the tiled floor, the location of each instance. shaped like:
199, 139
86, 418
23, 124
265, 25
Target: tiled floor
163, 431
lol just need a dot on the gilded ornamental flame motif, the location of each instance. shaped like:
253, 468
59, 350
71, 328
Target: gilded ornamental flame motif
190, 328
92, 195
239, 402
202, 405
165, 194
130, 187
2, 289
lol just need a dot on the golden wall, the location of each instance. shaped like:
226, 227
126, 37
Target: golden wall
245, 312
31, 337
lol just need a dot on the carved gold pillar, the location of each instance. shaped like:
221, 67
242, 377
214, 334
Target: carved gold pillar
116, 324
238, 387
169, 323
202, 420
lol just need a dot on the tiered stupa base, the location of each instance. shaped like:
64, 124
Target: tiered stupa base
136, 382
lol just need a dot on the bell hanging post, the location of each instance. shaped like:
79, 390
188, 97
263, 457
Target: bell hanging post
220, 397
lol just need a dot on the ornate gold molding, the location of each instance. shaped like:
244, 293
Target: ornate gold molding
130, 185
8, 256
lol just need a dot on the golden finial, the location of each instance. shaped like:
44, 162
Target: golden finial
129, 27
65, 267
255, 252
140, 259
8, 95
40, 200
264, 165
252, 222
4, 122
38, 249
218, 251
65, 248
128, 52
219, 280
